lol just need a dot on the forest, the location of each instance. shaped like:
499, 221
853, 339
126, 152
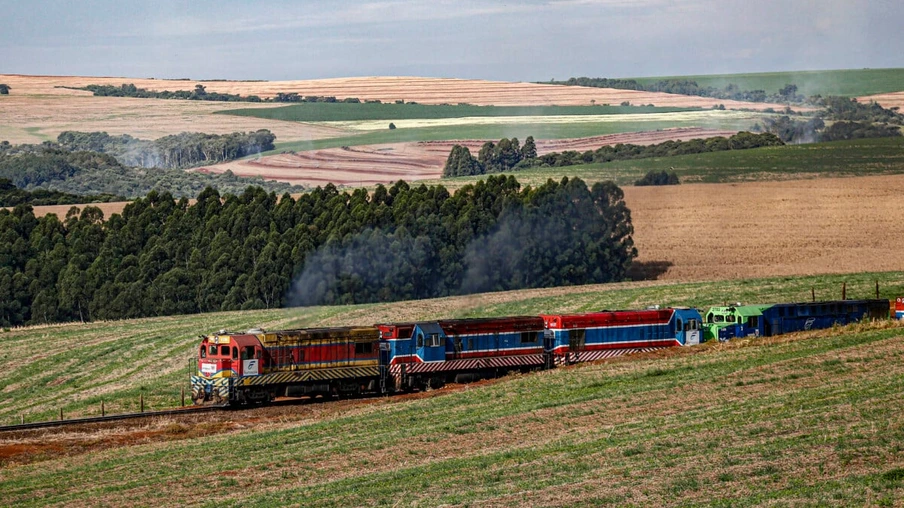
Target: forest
163, 256
88, 164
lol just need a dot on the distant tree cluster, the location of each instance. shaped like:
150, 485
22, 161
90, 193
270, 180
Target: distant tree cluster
200, 93
177, 151
255, 250
787, 94
658, 178
10, 195
50, 167
848, 119
461, 163
858, 130
506, 155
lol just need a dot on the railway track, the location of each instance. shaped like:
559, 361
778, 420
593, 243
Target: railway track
109, 418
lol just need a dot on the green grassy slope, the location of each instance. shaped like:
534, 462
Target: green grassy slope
848, 82
520, 131
75, 366
333, 112
812, 421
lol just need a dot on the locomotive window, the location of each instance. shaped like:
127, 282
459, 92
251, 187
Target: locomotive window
247, 352
529, 337
420, 339
470, 343
679, 327
434, 340
224, 351
213, 351
456, 342
740, 320
364, 348
203, 352
235, 353
752, 321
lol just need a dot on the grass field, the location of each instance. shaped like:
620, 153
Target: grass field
538, 130
117, 361
863, 157
343, 112
849, 82
808, 419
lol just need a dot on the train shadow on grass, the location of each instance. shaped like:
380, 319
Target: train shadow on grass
648, 270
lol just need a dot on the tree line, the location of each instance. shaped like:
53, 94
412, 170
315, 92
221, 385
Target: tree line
507, 155
10, 195
200, 93
731, 91
177, 151
847, 119
254, 250
51, 167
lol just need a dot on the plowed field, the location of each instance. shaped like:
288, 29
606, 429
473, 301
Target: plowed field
387, 163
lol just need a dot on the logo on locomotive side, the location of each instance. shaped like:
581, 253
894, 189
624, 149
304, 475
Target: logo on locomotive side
809, 323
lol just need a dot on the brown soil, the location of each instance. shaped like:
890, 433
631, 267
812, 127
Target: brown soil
387, 163
886, 100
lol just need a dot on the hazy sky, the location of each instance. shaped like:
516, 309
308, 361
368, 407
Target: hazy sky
513, 41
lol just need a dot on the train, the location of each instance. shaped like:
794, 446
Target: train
257, 366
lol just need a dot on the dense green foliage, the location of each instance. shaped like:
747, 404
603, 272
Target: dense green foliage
319, 112
731, 91
858, 130
658, 178
853, 120
162, 256
177, 151
507, 156
48, 166
10, 195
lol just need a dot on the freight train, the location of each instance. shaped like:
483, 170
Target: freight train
257, 366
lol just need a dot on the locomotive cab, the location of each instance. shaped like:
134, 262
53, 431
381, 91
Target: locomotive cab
221, 357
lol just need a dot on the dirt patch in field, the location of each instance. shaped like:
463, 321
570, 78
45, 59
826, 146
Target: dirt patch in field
387, 163
766, 229
886, 100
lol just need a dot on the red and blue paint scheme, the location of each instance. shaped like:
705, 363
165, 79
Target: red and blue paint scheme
433, 353
598, 335
899, 307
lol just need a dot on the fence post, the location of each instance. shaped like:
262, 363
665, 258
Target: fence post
141, 402
22, 419
103, 410
61, 414
183, 396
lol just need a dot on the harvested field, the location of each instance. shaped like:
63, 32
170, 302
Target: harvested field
764, 229
34, 119
392, 88
387, 163
886, 100
761, 229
